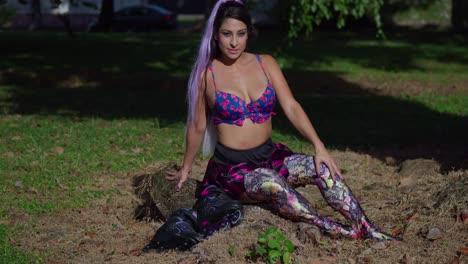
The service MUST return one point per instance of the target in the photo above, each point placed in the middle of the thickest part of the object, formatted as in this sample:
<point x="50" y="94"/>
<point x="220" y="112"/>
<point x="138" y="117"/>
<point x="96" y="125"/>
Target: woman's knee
<point x="263" y="181"/>
<point x="303" y="166"/>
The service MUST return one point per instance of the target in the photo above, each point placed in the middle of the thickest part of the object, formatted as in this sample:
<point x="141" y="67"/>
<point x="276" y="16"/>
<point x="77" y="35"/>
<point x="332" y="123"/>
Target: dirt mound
<point x="414" y="172"/>
<point x="454" y="193"/>
<point x="419" y="168"/>
<point x="160" y="199"/>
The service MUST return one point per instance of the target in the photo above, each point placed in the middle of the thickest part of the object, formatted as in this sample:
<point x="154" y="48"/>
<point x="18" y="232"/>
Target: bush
<point x="5" y="15"/>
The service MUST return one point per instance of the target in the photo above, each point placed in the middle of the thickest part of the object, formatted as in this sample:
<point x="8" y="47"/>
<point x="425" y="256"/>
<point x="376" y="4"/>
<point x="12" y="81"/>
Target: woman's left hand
<point x="322" y="156"/>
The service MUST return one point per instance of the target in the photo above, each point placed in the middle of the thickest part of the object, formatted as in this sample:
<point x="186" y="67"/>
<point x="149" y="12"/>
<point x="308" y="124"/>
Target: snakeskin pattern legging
<point x="267" y="185"/>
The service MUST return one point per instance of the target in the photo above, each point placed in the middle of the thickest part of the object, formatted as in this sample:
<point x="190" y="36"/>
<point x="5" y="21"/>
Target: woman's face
<point x="232" y="38"/>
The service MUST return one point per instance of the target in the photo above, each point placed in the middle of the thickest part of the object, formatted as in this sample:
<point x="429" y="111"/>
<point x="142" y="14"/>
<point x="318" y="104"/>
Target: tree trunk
<point x="105" y="17"/>
<point x="460" y="15"/>
<point x="36" y="20"/>
<point x="67" y="24"/>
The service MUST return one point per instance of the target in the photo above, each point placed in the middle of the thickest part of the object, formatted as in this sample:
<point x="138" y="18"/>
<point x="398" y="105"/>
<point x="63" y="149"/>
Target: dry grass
<point x="108" y="230"/>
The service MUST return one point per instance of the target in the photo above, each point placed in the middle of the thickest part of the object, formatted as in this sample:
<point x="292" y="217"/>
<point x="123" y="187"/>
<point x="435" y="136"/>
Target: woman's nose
<point x="234" y="42"/>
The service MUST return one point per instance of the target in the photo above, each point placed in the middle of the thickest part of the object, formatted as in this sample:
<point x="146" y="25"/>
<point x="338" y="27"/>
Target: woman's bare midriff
<point x="247" y="136"/>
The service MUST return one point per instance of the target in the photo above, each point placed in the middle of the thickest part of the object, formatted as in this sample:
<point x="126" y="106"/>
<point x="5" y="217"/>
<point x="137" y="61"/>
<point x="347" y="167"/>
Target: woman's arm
<point x="296" y="115"/>
<point x="193" y="138"/>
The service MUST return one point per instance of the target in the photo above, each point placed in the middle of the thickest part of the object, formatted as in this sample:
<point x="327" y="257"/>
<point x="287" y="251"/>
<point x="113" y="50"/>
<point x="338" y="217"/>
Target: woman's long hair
<point x="206" y="53"/>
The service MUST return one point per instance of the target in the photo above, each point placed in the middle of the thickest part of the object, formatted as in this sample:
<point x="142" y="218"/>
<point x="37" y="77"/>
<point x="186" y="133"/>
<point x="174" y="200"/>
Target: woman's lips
<point x="232" y="51"/>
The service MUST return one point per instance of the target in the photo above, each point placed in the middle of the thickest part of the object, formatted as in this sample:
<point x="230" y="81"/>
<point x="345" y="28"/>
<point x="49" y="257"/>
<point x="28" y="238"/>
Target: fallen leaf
<point x="464" y="216"/>
<point x="366" y="259"/>
<point x="464" y="251"/>
<point x="404" y="259"/>
<point x="396" y="231"/>
<point x="105" y="209"/>
<point x="33" y="191"/>
<point x="90" y="234"/>
<point x="410" y="217"/>
<point x="73" y="172"/>
<point x="123" y="251"/>
<point x="57" y="150"/>
<point x="114" y="147"/>
<point x="15" y="138"/>
<point x="136" y="252"/>
<point x="19" y="184"/>
<point x="137" y="150"/>
<point x="34" y="163"/>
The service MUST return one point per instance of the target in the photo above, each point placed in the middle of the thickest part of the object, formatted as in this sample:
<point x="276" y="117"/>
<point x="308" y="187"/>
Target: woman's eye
<point x="241" y="34"/>
<point x="226" y="34"/>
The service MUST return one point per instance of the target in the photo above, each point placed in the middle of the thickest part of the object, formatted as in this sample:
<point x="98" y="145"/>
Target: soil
<point x="412" y="199"/>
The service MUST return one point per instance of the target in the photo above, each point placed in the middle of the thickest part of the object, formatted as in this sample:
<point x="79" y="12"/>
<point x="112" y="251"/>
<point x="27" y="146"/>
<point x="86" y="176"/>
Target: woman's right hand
<point x="180" y="175"/>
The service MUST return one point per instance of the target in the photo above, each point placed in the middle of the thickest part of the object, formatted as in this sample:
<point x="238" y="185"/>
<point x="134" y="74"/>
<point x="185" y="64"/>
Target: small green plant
<point x="231" y="250"/>
<point x="271" y="247"/>
<point x="347" y="168"/>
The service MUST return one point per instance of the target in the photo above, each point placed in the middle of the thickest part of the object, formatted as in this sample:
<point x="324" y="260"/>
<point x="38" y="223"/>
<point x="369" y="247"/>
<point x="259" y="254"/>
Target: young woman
<point x="231" y="97"/>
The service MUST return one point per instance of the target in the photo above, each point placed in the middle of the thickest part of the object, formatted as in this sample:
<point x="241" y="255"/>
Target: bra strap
<point x="210" y="66"/>
<point x="261" y="65"/>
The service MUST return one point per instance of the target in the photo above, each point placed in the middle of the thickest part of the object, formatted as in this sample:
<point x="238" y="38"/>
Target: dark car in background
<point x="144" y="18"/>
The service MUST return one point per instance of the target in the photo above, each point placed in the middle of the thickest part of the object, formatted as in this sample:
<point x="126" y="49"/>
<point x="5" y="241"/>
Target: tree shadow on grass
<point x="349" y="117"/>
<point x="110" y="76"/>
<point x="144" y="76"/>
<point x="115" y="97"/>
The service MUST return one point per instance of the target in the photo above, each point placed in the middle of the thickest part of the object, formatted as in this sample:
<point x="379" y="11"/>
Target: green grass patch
<point x="455" y="104"/>
<point x="11" y="254"/>
<point x="49" y="161"/>
<point x="353" y="57"/>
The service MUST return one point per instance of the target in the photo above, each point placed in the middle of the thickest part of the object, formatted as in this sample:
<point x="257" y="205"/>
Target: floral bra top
<point x="231" y="109"/>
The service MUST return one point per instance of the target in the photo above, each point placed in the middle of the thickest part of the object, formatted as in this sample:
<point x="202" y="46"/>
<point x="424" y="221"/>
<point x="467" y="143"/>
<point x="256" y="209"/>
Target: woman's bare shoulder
<point x="269" y="62"/>
<point x="205" y="75"/>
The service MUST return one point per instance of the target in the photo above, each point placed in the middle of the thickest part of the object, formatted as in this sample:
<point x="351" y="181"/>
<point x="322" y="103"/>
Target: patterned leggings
<point x="267" y="185"/>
